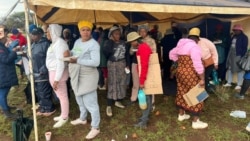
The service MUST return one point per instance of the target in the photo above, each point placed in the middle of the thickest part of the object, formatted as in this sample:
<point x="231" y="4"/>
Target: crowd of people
<point x="107" y="59"/>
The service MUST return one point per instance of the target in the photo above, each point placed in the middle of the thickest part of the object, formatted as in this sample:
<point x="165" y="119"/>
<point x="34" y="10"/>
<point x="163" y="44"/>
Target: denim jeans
<point x="89" y="103"/>
<point x="145" y="113"/>
<point x="3" y="98"/>
<point x="239" y="77"/>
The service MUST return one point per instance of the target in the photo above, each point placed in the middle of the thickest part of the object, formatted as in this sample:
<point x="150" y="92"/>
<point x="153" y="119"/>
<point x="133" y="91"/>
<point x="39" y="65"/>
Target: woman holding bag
<point x="143" y="53"/>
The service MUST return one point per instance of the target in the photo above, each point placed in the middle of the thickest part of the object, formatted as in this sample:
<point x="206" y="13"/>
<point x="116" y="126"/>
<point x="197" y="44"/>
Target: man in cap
<point x="16" y="35"/>
<point x="39" y="49"/>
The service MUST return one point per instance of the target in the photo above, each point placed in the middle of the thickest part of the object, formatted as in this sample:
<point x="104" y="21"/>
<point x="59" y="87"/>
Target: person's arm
<point x="94" y="59"/>
<point x="60" y="65"/>
<point x="43" y="69"/>
<point x="196" y="56"/>
<point x="173" y="54"/>
<point x="108" y="48"/>
<point x="244" y="45"/>
<point x="144" y="55"/>
<point x="6" y="57"/>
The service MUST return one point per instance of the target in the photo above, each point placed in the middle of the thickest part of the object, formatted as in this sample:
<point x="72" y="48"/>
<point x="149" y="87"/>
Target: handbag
<point x="244" y="62"/>
<point x="207" y="62"/>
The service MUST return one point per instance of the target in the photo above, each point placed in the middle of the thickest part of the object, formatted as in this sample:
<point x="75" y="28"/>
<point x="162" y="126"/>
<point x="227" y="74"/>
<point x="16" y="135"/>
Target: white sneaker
<point x="183" y="117"/>
<point x="57" y="118"/>
<point x="60" y="123"/>
<point x="102" y="88"/>
<point x="93" y="133"/>
<point x="78" y="121"/>
<point x="227" y="85"/>
<point x="109" y="111"/>
<point x="119" y="104"/>
<point x="248" y="127"/>
<point x="237" y="88"/>
<point x="199" y="124"/>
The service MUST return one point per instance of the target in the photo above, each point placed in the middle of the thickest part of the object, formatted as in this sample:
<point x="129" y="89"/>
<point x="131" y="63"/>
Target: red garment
<point x="22" y="40"/>
<point x="143" y="52"/>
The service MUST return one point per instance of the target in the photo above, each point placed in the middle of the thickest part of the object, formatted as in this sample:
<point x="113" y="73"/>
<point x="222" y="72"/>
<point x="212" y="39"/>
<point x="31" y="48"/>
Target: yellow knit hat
<point x="82" y="24"/>
<point x="194" y="32"/>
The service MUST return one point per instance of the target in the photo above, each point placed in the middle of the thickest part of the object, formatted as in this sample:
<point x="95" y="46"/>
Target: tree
<point x="16" y="20"/>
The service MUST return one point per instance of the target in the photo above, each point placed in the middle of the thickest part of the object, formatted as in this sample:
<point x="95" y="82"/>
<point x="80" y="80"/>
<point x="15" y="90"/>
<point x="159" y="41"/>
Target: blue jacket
<point x="8" y="76"/>
<point x="247" y="75"/>
<point x="241" y="44"/>
<point x="39" y="53"/>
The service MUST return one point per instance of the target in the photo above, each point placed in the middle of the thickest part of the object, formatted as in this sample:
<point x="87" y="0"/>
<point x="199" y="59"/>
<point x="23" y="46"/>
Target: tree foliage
<point x="15" y="20"/>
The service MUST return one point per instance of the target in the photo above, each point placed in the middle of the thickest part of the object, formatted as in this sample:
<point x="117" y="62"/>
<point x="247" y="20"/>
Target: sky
<point x="6" y="5"/>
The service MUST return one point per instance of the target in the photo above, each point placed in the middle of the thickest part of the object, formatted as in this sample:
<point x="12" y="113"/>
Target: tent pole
<point x="95" y="16"/>
<point x="31" y="68"/>
<point x="206" y="28"/>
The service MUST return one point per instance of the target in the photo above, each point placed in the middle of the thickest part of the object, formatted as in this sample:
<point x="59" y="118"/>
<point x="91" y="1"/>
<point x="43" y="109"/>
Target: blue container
<point x="142" y="99"/>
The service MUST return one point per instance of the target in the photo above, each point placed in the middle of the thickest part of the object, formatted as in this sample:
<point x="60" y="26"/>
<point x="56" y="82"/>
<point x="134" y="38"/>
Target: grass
<point x="162" y="127"/>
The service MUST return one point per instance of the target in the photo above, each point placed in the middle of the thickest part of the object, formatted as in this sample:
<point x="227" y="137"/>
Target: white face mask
<point x="1" y="33"/>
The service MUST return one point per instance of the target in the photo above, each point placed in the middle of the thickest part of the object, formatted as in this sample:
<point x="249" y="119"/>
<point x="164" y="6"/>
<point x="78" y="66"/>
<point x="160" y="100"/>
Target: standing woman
<point x="143" y="32"/>
<point x="190" y="72"/>
<point x="8" y="75"/>
<point x="84" y="77"/>
<point x="118" y="59"/>
<point x="58" y="72"/>
<point x="238" y="49"/>
<point x="143" y="53"/>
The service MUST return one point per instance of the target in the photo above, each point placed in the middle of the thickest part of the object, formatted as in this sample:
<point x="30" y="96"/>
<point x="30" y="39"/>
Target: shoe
<point x="101" y="88"/>
<point x="60" y="123"/>
<point x="39" y="113"/>
<point x="199" y="124"/>
<point x="211" y="82"/>
<point x="183" y="117"/>
<point x="141" y="124"/>
<point x="248" y="127"/>
<point x="78" y="121"/>
<point x="227" y="85"/>
<point x="9" y="115"/>
<point x="46" y="114"/>
<point x="109" y="111"/>
<point x="57" y="118"/>
<point x="119" y="104"/>
<point x="237" y="88"/>
<point x="93" y="133"/>
<point x="239" y="96"/>
<point x="153" y="108"/>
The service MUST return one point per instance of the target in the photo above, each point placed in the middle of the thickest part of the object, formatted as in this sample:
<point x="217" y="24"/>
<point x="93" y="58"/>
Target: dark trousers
<point x="166" y="67"/>
<point x="101" y="78"/>
<point x="145" y="113"/>
<point x="3" y="98"/>
<point x="245" y="86"/>
<point x="222" y="71"/>
<point x="44" y="94"/>
<point x="208" y="72"/>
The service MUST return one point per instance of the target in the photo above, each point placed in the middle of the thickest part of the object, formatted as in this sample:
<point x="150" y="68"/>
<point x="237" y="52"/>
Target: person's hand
<point x="141" y="86"/>
<point x="66" y="53"/>
<point x="55" y="85"/>
<point x="216" y="67"/>
<point x="202" y="83"/>
<point x="73" y="60"/>
<point x="15" y="49"/>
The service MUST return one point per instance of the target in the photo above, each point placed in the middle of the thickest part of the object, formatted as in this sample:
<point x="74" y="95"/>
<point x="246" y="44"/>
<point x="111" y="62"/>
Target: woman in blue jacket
<point x="8" y="75"/>
<point x="237" y="50"/>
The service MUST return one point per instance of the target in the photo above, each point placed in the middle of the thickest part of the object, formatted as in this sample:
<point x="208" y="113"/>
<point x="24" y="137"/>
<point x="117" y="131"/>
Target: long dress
<point x="116" y="73"/>
<point x="187" y="78"/>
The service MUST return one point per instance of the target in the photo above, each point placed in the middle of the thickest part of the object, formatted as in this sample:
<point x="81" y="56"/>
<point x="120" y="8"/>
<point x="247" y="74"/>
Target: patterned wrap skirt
<point x="187" y="78"/>
<point x="116" y="80"/>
